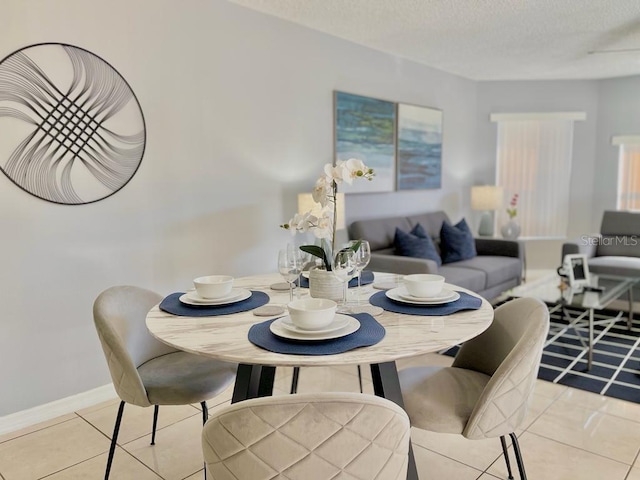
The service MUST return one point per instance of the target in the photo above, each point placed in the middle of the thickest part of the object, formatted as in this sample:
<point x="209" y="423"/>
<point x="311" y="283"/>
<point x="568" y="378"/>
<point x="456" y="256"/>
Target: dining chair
<point x="486" y="391"/>
<point x="296" y="377"/>
<point x="308" y="437"/>
<point x="144" y="370"/>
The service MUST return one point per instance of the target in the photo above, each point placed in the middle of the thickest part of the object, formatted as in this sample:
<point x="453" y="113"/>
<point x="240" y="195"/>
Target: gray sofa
<point x="497" y="268"/>
<point x="616" y="250"/>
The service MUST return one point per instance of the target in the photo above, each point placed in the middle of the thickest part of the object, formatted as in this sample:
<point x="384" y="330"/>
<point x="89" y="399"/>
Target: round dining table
<point x="225" y="337"/>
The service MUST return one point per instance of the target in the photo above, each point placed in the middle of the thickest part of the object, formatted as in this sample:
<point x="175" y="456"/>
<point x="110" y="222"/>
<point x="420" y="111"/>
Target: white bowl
<point x="424" y="285"/>
<point x="213" y="286"/>
<point x="312" y="313"/>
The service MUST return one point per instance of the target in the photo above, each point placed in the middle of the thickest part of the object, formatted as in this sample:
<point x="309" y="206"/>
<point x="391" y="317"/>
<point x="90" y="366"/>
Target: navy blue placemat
<point x="465" y="302"/>
<point x="369" y="333"/>
<point x="172" y="304"/>
<point x="367" y="278"/>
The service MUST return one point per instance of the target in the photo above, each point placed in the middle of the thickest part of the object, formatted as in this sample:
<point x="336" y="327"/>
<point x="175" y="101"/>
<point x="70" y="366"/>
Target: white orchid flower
<point x="321" y="191"/>
<point x="323" y="226"/>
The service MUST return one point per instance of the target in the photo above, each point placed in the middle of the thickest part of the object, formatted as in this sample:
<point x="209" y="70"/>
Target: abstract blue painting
<point x="365" y="129"/>
<point x="419" y="147"/>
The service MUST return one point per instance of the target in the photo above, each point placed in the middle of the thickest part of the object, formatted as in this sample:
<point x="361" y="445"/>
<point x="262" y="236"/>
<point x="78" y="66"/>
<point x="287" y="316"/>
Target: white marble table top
<point x="225" y="337"/>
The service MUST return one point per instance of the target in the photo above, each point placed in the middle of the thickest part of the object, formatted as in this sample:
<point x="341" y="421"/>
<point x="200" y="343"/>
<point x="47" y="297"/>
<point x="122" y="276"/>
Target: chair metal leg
<point x="114" y="439"/>
<point x="205" y="417"/>
<point x="360" y="378"/>
<point x="155" y="424"/>
<point x="503" y="441"/>
<point x="516" y="449"/>
<point x="205" y="412"/>
<point x="294" y="380"/>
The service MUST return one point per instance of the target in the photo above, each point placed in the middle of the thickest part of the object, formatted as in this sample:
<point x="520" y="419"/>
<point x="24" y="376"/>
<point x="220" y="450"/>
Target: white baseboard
<point x="42" y="413"/>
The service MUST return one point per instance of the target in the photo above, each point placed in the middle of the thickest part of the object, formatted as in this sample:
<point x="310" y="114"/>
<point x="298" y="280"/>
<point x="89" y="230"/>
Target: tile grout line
<point x="579" y="448"/>
<point x="449" y="458"/>
<point x="37" y="430"/>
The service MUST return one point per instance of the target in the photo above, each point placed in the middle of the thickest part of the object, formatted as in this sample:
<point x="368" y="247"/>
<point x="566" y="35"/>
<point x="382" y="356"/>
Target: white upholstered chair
<point x="486" y="391"/>
<point x="145" y="371"/>
<point x="308" y="437"/>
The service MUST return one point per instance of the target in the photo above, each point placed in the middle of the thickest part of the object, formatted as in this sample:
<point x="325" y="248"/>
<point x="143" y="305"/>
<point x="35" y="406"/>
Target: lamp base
<point x="486" y="225"/>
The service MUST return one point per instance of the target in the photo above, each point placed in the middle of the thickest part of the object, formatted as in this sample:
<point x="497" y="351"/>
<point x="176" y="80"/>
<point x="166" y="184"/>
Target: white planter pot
<point x="323" y="284"/>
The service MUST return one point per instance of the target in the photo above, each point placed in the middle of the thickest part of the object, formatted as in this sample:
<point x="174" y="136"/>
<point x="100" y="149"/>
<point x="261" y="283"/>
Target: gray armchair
<point x="487" y="390"/>
<point x="145" y="371"/>
<point x="616" y="249"/>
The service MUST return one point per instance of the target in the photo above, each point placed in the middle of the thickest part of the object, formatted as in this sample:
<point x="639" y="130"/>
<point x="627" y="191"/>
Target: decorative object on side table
<point x="511" y="229"/>
<point x="486" y="198"/>
<point x="322" y="282"/>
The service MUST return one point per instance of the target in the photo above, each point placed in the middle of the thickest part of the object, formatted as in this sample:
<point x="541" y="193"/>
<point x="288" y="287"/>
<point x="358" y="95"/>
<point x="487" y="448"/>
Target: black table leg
<point x="253" y="381"/>
<point x="386" y="384"/>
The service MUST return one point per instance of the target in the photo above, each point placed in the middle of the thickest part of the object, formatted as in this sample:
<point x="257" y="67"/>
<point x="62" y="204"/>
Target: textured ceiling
<point x="484" y="39"/>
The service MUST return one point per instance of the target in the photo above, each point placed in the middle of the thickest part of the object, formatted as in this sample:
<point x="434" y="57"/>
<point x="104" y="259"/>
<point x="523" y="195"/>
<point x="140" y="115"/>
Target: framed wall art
<point x="365" y="129"/>
<point x="419" y="148"/>
<point x="71" y="129"/>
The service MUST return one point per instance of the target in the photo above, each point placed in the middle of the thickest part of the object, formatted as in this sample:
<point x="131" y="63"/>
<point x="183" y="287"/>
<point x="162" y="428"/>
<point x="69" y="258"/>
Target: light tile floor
<point x="568" y="434"/>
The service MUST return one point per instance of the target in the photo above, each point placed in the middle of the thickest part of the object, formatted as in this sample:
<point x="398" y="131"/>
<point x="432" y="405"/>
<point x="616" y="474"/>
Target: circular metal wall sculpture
<point x="71" y="128"/>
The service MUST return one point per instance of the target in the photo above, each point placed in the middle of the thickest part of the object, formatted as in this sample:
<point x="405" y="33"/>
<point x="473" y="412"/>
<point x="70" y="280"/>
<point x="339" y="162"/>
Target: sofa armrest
<point x="499" y="247"/>
<point x="585" y="245"/>
<point x="381" y="262"/>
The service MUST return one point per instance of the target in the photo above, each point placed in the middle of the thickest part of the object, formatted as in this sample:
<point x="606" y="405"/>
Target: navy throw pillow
<point x="412" y="245"/>
<point x="457" y="242"/>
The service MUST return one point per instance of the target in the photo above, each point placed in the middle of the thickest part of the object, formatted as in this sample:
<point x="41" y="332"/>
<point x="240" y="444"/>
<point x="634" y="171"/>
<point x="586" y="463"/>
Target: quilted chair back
<point x="509" y="351"/>
<point x="119" y="315"/>
<point x="308" y="437"/>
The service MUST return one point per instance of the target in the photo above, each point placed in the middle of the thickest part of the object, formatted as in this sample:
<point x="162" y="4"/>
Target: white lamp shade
<point x="306" y="204"/>
<point x="486" y="197"/>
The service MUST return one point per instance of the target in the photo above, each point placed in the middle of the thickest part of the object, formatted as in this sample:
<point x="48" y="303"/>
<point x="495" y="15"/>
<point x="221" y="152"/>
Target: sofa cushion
<point x="496" y="269"/>
<point x="624" y="266"/>
<point x="379" y="232"/>
<point x="457" y="242"/>
<point x="415" y="244"/>
<point x="474" y="280"/>
<point x="431" y="222"/>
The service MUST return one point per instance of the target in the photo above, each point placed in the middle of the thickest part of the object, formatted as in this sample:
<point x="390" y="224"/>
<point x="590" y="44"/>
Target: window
<point x="533" y="159"/>
<point x="628" y="195"/>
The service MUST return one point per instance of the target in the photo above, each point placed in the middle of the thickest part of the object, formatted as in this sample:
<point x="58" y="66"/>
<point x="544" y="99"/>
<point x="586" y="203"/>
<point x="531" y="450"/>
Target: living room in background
<point x="533" y="160"/>
<point x="628" y="193"/>
<point x="419" y="147"/>
<point x="365" y="129"/>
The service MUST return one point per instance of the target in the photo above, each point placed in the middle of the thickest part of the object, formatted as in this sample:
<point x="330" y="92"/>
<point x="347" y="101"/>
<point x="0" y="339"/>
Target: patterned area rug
<point x="616" y="358"/>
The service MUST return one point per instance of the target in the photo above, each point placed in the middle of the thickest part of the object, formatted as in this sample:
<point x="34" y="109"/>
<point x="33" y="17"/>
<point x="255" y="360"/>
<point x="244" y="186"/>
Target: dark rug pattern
<point x="616" y="358"/>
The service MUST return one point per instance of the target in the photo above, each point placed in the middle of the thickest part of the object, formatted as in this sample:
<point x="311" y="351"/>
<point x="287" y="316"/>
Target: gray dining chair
<point x="145" y="371"/>
<point x="308" y="437"/>
<point x="486" y="391"/>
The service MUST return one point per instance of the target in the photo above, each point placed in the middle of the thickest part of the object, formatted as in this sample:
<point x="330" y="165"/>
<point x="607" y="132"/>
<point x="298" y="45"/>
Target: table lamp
<point x="487" y="198"/>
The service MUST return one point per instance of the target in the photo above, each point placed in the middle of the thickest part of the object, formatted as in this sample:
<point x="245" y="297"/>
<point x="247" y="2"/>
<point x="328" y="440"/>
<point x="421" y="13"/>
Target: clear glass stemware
<point x="290" y="266"/>
<point x="344" y="268"/>
<point x="362" y="257"/>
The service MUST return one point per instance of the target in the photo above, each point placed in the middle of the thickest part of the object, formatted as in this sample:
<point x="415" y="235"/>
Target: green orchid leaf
<point x="319" y="252"/>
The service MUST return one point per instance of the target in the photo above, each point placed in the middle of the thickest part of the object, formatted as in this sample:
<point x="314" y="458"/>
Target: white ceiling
<point x="484" y="39"/>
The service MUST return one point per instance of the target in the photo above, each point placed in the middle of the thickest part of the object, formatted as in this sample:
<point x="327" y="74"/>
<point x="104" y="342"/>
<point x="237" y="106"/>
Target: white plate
<point x="236" y="295"/>
<point x="339" y="321"/>
<point x="446" y="295"/>
<point x="277" y="329"/>
<point x="396" y="294"/>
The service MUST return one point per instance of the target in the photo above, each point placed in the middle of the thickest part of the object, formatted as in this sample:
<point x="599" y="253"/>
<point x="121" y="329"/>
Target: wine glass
<point x="290" y="266"/>
<point x="344" y="268"/>
<point x="363" y="257"/>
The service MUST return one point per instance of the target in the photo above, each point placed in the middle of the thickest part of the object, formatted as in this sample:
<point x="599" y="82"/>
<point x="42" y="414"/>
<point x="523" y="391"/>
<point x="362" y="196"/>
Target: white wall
<point x="239" y="114"/>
